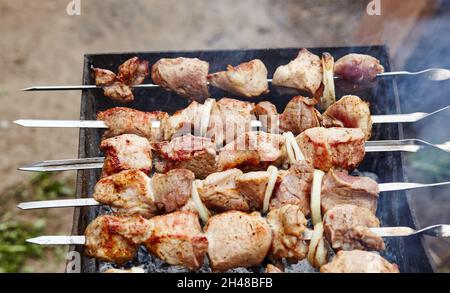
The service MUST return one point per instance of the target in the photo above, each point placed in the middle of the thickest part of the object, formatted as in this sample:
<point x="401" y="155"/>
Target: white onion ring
<point x="329" y="94"/>
<point x="295" y="147"/>
<point x="320" y="258"/>
<point x="273" y="174"/>
<point x="206" y="115"/>
<point x="316" y="215"/>
<point x="203" y="212"/>
<point x="315" y="239"/>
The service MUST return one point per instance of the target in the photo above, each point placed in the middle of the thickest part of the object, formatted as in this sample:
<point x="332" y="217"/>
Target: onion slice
<point x="329" y="94"/>
<point x="320" y="258"/>
<point x="295" y="147"/>
<point x="316" y="216"/>
<point x="203" y="212"/>
<point x="206" y="115"/>
<point x="289" y="150"/>
<point x="273" y="174"/>
<point x="314" y="243"/>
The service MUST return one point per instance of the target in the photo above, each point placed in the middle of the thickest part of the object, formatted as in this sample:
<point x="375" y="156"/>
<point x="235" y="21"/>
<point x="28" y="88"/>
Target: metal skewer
<point x="439" y="231"/>
<point x="81" y="202"/>
<point x="407" y="145"/>
<point x="431" y="73"/>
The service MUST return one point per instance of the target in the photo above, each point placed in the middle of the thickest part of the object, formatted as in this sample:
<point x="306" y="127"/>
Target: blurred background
<point x="41" y="44"/>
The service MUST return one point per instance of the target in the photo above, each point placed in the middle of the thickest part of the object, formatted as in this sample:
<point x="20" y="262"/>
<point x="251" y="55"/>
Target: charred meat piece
<point x="219" y="192"/>
<point x="253" y="151"/>
<point x="268" y="116"/>
<point x="271" y="269"/>
<point x="128" y="193"/>
<point x="295" y="187"/>
<point x="304" y="73"/>
<point x="236" y="117"/>
<point x="359" y="261"/>
<point x="248" y="79"/>
<point x="350" y="112"/>
<point x="133" y="71"/>
<point x="122" y="120"/>
<point x="115" y="239"/>
<point x="341" y="148"/>
<point x="340" y="188"/>
<point x="288" y="224"/>
<point x="118" y="91"/>
<point x="299" y="115"/>
<point x="125" y="152"/>
<point x="194" y="153"/>
<point x="358" y="68"/>
<point x="346" y="227"/>
<point x="185" y="76"/>
<point x="178" y="239"/>
<point x="237" y="239"/>
<point x="172" y="190"/>
<point x="252" y="186"/>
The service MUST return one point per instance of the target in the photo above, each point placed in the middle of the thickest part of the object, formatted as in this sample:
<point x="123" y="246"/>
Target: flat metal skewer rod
<point x="81" y="202"/>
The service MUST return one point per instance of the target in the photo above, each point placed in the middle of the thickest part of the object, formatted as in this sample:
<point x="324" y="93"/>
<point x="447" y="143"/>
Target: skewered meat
<point x="271" y="269"/>
<point x="359" y="261"/>
<point x="124" y="152"/>
<point x="254" y="150"/>
<point x="219" y="192"/>
<point x="350" y="112"/>
<point x="128" y="192"/>
<point x="237" y="239"/>
<point x="236" y="117"/>
<point x="132" y="270"/>
<point x="288" y="224"/>
<point x="268" y="116"/>
<point x="304" y="73"/>
<point x="295" y="187"/>
<point x="122" y="120"/>
<point x="194" y="153"/>
<point x="118" y="87"/>
<point x="173" y="189"/>
<point x="178" y="239"/>
<point x="358" y="68"/>
<point x="340" y="188"/>
<point x="299" y="115"/>
<point x="185" y="76"/>
<point x="346" y="227"/>
<point x="333" y="147"/>
<point x="252" y="186"/>
<point x="248" y="79"/>
<point x="115" y="239"/>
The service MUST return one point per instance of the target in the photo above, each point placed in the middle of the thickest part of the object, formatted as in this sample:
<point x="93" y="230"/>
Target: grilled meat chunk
<point x="185" y="76"/>
<point x="248" y="79"/>
<point x="236" y="117"/>
<point x="122" y="120"/>
<point x="172" y="189"/>
<point x="346" y="227"/>
<point x="350" y="112"/>
<point x="359" y="261"/>
<point x="295" y="187"/>
<point x="219" y="192"/>
<point x="128" y="193"/>
<point x="254" y="150"/>
<point x="133" y="71"/>
<point x="194" y="153"/>
<point x="304" y="73"/>
<point x="340" y="188"/>
<point x="118" y="91"/>
<point x="341" y="148"/>
<point x="358" y="68"/>
<point x="124" y="152"/>
<point x="178" y="239"/>
<point x="268" y="116"/>
<point x="252" y="186"/>
<point x="115" y="239"/>
<point x="237" y="239"/>
<point x="132" y="270"/>
<point x="299" y="115"/>
<point x="288" y="224"/>
<point x="271" y="269"/>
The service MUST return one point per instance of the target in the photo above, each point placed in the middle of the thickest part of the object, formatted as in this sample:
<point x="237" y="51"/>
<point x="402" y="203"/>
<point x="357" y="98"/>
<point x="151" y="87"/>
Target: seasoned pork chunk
<point x="304" y="73"/>
<point x="178" y="239"/>
<point x="253" y="151"/>
<point x="299" y="115"/>
<point x="115" y="239"/>
<point x="173" y="189"/>
<point x="359" y="261"/>
<point x="268" y="116"/>
<point x="340" y="188"/>
<point x="122" y="120"/>
<point x="252" y="186"/>
<point x="288" y="224"/>
<point x="271" y="269"/>
<point x="341" y="148"/>
<point x="185" y="76"/>
<point x="133" y="71"/>
<point x="295" y="187"/>
<point x="219" y="192"/>
<point x="350" y="112"/>
<point x="248" y="79"/>
<point x="346" y="227"/>
<point x="358" y="68"/>
<point x="124" y="152"/>
<point x="236" y="117"/>
<point x="237" y="239"/>
<point x="128" y="193"/>
<point x="194" y="153"/>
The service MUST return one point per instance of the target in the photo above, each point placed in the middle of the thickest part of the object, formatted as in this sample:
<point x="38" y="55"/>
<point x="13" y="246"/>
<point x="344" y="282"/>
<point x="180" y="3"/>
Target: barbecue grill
<point x="393" y="210"/>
